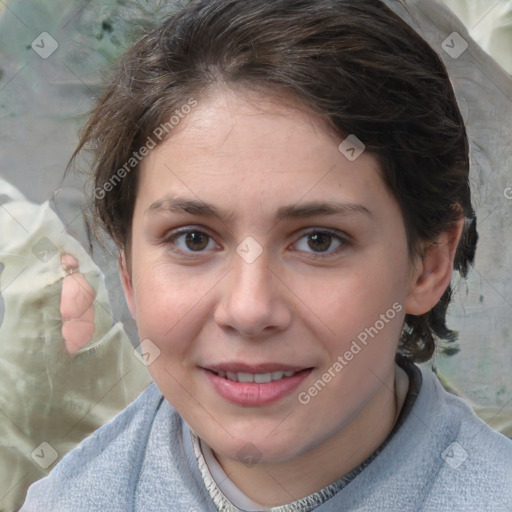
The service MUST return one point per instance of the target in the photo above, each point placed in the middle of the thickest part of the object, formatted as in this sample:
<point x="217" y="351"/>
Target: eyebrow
<point x="296" y="211"/>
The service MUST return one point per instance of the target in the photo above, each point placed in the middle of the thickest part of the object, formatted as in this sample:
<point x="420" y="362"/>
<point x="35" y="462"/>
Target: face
<point x="262" y="256"/>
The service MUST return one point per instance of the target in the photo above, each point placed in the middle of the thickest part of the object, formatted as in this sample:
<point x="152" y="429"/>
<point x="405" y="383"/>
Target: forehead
<point x="253" y="149"/>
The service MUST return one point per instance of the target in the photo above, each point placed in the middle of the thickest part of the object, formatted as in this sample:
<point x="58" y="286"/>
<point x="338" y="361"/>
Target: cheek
<point x="160" y="300"/>
<point x="358" y="297"/>
<point x="364" y="306"/>
<point x="171" y="305"/>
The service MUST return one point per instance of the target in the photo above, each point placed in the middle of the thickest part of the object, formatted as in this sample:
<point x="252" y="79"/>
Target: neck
<point x="291" y="480"/>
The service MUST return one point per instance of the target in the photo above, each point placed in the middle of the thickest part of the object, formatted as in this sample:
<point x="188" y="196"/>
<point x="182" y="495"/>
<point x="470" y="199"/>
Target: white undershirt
<point x="226" y="485"/>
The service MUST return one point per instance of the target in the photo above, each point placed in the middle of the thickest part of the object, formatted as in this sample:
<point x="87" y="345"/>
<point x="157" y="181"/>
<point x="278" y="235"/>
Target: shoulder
<point x="474" y="461"/>
<point x="103" y="467"/>
<point x="442" y="458"/>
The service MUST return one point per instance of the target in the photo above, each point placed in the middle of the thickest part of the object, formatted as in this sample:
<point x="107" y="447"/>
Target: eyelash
<point x="344" y="242"/>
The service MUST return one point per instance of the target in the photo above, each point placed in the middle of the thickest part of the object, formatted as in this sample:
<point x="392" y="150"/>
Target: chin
<point x="252" y="449"/>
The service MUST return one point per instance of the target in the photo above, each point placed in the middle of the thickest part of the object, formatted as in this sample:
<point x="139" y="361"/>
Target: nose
<point x="254" y="302"/>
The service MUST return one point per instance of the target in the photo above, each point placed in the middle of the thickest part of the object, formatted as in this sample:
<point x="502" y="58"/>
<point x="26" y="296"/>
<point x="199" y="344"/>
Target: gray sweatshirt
<point x="440" y="458"/>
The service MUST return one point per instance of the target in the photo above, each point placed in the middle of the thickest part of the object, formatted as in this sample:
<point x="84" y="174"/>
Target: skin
<point x="249" y="156"/>
<point x="76" y="306"/>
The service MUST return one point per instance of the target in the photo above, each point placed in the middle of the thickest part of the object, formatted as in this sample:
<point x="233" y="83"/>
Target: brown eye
<point x="191" y="240"/>
<point x="196" y="241"/>
<point x="319" y="242"/>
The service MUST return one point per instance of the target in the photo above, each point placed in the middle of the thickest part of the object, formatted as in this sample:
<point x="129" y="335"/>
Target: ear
<point x="433" y="271"/>
<point x="126" y="281"/>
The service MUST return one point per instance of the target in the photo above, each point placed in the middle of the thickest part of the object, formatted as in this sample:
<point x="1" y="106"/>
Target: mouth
<point x="259" y="378"/>
<point x="259" y="373"/>
<point x="255" y="385"/>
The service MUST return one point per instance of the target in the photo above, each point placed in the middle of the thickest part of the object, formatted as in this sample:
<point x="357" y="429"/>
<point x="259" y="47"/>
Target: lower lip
<point x="254" y="394"/>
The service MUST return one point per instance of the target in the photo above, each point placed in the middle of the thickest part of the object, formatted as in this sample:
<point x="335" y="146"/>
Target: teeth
<point x="245" y="377"/>
<point x="259" y="378"/>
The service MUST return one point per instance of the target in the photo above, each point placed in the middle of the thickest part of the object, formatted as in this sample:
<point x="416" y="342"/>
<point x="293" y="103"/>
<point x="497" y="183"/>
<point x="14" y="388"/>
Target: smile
<point x="256" y="385"/>
<point x="259" y="378"/>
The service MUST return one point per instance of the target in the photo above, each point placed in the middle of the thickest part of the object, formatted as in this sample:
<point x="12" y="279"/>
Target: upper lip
<point x="237" y="367"/>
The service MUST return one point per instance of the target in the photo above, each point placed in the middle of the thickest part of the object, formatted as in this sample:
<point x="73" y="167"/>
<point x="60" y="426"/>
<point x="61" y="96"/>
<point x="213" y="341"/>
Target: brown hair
<point x="354" y="62"/>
